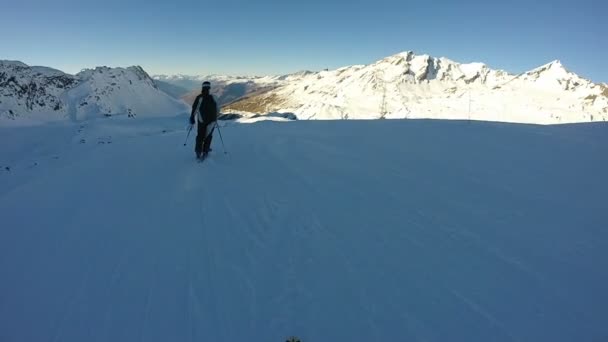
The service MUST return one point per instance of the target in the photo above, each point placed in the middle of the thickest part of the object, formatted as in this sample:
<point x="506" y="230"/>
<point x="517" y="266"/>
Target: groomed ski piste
<point x="388" y="230"/>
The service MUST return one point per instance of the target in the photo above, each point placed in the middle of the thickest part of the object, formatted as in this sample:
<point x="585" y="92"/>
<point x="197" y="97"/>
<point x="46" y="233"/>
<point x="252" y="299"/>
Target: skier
<point x="205" y="109"/>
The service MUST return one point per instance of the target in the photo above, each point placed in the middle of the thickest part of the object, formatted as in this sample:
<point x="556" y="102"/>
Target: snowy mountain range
<point x="407" y="85"/>
<point x="404" y="85"/>
<point x="44" y="94"/>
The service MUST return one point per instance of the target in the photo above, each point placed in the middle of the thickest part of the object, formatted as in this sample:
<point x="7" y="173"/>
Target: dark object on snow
<point x="288" y="116"/>
<point x="221" y="138"/>
<point x="231" y="116"/>
<point x="203" y="140"/>
<point x="188" y="135"/>
<point x="205" y="109"/>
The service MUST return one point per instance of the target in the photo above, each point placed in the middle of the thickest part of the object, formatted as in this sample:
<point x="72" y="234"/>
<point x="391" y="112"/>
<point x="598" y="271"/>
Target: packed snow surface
<point x="383" y="230"/>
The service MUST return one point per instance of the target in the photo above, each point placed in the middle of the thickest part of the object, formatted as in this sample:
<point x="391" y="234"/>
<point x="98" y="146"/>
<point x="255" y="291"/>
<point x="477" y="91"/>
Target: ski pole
<point x="187" y="136"/>
<point x="222" y="139"/>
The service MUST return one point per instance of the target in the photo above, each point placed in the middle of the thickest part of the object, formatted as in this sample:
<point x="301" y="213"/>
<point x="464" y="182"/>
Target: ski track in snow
<point x="331" y="231"/>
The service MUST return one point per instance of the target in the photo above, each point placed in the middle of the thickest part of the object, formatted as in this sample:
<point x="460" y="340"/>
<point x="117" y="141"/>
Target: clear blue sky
<point x="276" y="37"/>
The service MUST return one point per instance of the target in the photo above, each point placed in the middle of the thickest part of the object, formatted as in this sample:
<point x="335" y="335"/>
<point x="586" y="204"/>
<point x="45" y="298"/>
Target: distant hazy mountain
<point x="226" y="89"/>
<point x="174" y="90"/>
<point x="182" y="81"/>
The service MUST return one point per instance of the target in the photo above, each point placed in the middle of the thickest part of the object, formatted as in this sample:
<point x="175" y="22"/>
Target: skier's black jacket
<point x="208" y="109"/>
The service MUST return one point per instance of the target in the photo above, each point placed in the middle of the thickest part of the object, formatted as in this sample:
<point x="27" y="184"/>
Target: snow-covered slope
<point x="43" y="94"/>
<point x="422" y="231"/>
<point x="420" y="86"/>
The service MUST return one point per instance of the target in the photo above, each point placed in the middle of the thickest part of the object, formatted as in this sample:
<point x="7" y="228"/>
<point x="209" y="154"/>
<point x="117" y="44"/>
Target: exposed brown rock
<point x="259" y="103"/>
<point x="604" y="90"/>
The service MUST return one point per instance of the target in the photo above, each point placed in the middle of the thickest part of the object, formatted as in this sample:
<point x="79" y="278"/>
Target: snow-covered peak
<point x="298" y="74"/>
<point x="112" y="75"/>
<point x="46" y="94"/>
<point x="397" y="58"/>
<point x="47" y="71"/>
<point x="409" y="67"/>
<point x="7" y="66"/>
<point x="8" y="63"/>
<point x="25" y="89"/>
<point x="554" y="69"/>
<point x="121" y="91"/>
<point x="407" y="85"/>
<point x="554" y="76"/>
<point x="556" y="63"/>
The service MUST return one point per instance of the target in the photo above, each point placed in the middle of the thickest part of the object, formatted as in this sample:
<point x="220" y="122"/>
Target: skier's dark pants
<point x="203" y="142"/>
